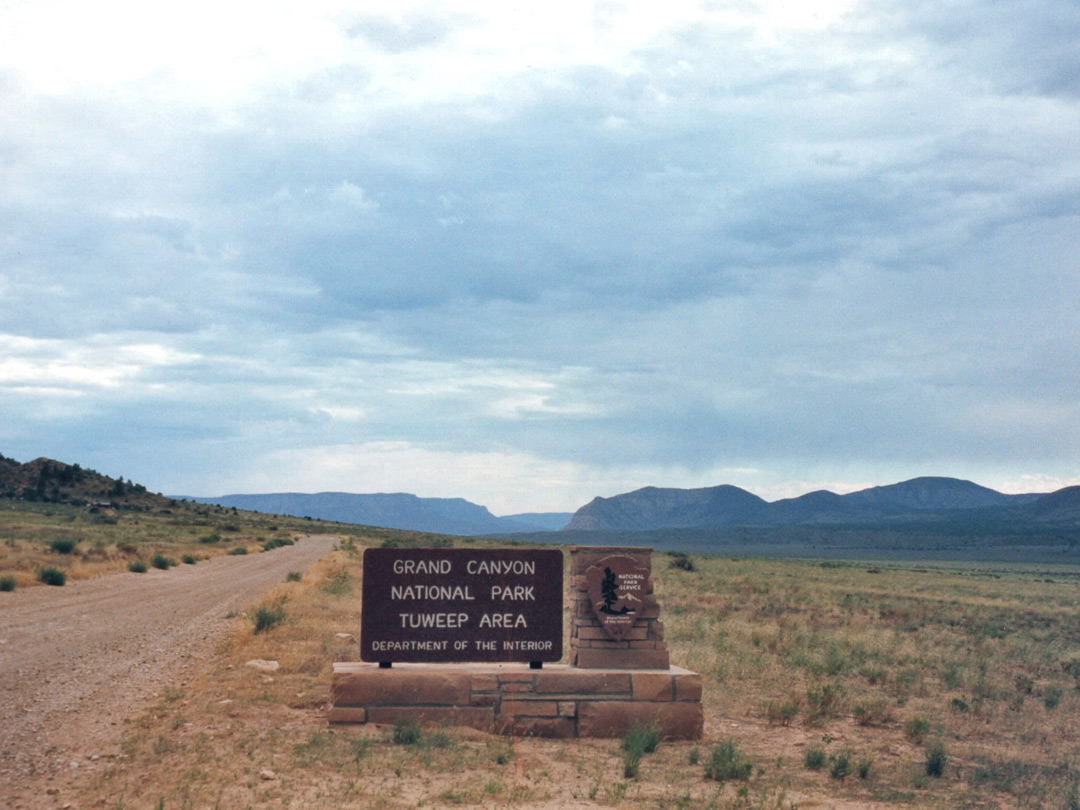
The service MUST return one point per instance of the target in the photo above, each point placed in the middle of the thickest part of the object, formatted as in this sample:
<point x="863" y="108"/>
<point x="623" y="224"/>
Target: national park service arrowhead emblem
<point x="616" y="587"/>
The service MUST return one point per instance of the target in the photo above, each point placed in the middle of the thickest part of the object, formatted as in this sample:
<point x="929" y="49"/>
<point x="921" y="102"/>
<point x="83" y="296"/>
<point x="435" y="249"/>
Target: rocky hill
<point x="47" y="480"/>
<point x="654" y="507"/>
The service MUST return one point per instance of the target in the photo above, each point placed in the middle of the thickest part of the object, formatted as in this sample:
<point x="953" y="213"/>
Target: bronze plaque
<point x="452" y="605"/>
<point x="617" y="588"/>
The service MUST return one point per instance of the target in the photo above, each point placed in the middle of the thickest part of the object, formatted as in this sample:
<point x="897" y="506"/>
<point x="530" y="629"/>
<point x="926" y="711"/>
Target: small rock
<point x="267" y="775"/>
<point x="344" y="637"/>
<point x="224" y="702"/>
<point x="263" y="665"/>
<point x="53" y="791"/>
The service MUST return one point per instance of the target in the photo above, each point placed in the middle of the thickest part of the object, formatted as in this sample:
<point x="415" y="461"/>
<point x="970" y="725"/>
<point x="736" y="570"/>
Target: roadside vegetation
<point x="826" y="684"/>
<point x="81" y="541"/>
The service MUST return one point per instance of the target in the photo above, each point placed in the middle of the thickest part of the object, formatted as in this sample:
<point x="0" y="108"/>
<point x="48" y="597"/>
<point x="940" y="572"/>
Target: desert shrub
<point x="406" y="731"/>
<point x="815" y="758"/>
<point x="267" y="617"/>
<point x="781" y="711"/>
<point x="277" y="542"/>
<point x="436" y="739"/>
<point x="293" y="576"/>
<point x="337" y="582"/>
<point x="874" y="674"/>
<point x="210" y="538"/>
<point x="188" y="559"/>
<point x="51" y="576"/>
<point x="504" y="755"/>
<point x="643" y="738"/>
<point x="952" y="676"/>
<point x="639" y="740"/>
<point x="824" y="701"/>
<point x="63" y="545"/>
<point x="359" y="747"/>
<point x="840" y="765"/>
<point x="7" y="583"/>
<point x="1025" y="684"/>
<point x="1072" y="795"/>
<point x="916" y="728"/>
<point x="873" y="712"/>
<point x="681" y="560"/>
<point x="631" y="764"/>
<point x="864" y="766"/>
<point x="936" y="759"/>
<point x="162" y="562"/>
<point x="1052" y="696"/>
<point x="127" y="548"/>
<point x="237" y="551"/>
<point x="727" y="762"/>
<point x="137" y="567"/>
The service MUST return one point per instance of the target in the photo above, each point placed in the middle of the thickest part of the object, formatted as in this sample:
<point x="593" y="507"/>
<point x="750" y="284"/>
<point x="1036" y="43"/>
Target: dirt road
<point x="74" y="661"/>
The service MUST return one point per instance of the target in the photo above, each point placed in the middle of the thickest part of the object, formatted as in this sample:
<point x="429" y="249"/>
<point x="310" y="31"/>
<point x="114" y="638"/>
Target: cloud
<point x="622" y="244"/>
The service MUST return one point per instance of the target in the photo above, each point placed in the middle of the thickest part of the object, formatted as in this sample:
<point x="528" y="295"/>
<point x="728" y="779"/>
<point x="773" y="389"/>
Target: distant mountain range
<point x="922" y="505"/>
<point x="396" y="511"/>
<point x="948" y="503"/>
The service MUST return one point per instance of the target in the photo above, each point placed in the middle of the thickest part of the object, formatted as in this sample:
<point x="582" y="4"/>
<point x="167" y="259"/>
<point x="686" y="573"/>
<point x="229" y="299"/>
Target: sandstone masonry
<point x="610" y="685"/>
<point x="590" y="647"/>
<point x="556" y="701"/>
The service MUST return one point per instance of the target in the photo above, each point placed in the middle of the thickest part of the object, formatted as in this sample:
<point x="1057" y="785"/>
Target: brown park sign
<point x="455" y="605"/>
<point x="616" y="587"/>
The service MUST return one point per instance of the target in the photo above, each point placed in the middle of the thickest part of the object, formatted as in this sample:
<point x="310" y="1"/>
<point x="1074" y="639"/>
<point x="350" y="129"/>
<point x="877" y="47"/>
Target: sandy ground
<point x="75" y="661"/>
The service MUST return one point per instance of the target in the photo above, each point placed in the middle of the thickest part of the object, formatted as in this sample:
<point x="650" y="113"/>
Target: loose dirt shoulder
<point x="75" y="661"/>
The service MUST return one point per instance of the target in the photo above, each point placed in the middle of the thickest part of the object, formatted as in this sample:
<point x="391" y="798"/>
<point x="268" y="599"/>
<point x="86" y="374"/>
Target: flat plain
<point x="828" y="684"/>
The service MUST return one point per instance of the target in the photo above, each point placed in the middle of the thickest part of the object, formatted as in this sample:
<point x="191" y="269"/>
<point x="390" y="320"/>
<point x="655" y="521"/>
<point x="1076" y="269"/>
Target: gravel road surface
<point x="75" y="661"/>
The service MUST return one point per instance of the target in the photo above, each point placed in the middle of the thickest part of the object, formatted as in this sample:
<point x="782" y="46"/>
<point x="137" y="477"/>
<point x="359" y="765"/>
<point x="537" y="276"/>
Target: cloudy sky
<point x="528" y="254"/>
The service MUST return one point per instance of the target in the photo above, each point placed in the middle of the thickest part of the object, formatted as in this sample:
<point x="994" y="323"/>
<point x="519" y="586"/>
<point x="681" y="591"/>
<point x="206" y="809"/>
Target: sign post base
<point x="558" y="701"/>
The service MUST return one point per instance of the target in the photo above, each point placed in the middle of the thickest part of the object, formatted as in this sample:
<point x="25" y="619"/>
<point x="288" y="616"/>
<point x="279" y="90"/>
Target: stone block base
<point x="557" y="701"/>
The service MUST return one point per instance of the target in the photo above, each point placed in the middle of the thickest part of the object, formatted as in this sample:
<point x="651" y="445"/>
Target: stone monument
<point x="467" y="636"/>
